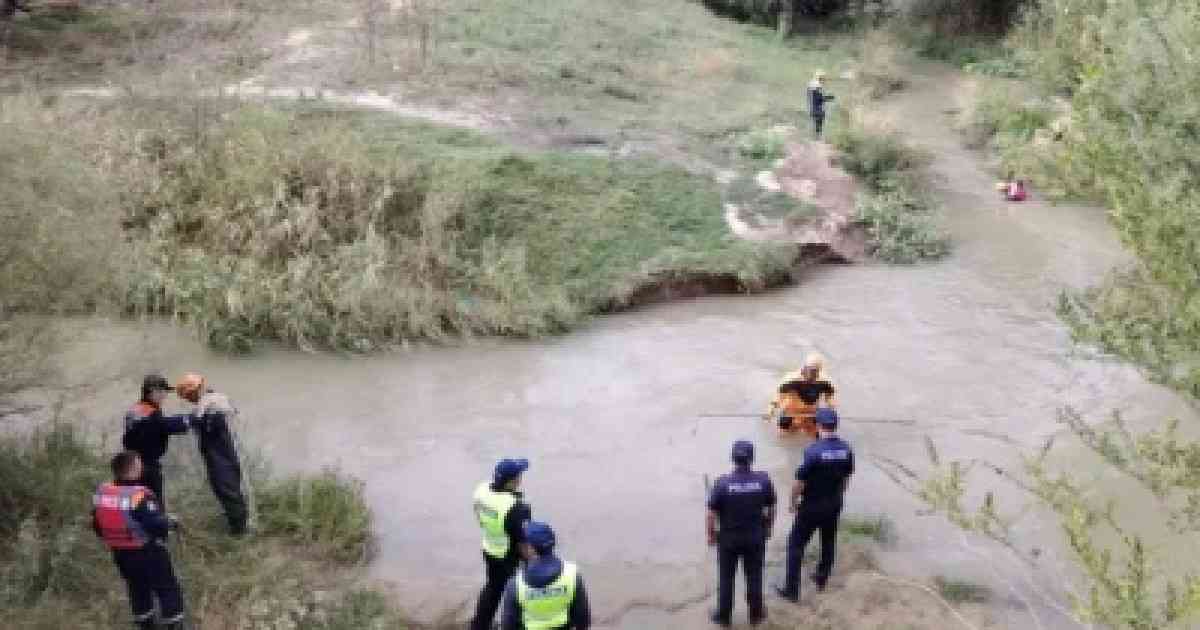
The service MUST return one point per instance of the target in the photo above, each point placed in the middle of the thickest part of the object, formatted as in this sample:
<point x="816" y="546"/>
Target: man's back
<point x="739" y="499"/>
<point x="828" y="462"/>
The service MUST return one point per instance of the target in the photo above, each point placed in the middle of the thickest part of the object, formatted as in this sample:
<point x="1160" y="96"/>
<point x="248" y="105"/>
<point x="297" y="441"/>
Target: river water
<point x="969" y="349"/>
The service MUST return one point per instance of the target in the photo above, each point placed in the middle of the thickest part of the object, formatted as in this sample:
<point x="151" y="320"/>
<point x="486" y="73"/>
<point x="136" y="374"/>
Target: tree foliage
<point x="1128" y="73"/>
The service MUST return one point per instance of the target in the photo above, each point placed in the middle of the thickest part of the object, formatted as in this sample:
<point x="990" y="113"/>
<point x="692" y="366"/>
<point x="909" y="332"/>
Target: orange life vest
<point x="114" y="515"/>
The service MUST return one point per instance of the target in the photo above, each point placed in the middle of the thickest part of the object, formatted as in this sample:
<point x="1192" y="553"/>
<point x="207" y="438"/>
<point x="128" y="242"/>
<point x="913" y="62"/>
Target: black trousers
<point x="225" y="479"/>
<point x="751" y="556"/>
<point x="499" y="572"/>
<point x="810" y="519"/>
<point x="148" y="574"/>
<point x="818" y="123"/>
<point x="152" y="478"/>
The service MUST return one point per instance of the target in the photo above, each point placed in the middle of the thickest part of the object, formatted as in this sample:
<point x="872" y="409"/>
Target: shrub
<point x="763" y="144"/>
<point x="901" y="226"/>
<point x="325" y="512"/>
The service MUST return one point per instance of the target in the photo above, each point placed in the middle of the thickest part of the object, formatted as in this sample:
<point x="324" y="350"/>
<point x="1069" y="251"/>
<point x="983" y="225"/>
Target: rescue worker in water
<point x="148" y="430"/>
<point x="800" y="395"/>
<point x="502" y="514"/>
<point x="217" y="448"/>
<point x="548" y="594"/>
<point x="128" y="518"/>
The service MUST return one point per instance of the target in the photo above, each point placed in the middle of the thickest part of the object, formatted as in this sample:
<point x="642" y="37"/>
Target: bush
<point x="325" y="512"/>
<point x="896" y="210"/>
<point x="763" y="144"/>
<point x="901" y="226"/>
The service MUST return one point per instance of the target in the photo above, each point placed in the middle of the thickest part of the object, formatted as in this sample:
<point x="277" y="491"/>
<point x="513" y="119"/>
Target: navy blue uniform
<point x="828" y="464"/>
<point x="741" y="500"/>
<point x="147" y="431"/>
<point x="816" y="105"/>
<point x="539" y="573"/>
<point x="147" y="571"/>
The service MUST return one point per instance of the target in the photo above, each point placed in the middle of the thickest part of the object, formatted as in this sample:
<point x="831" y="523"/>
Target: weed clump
<point x="897" y="210"/>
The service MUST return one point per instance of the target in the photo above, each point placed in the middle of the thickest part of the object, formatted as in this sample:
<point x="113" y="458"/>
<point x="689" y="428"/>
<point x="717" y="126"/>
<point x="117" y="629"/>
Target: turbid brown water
<point x="969" y="348"/>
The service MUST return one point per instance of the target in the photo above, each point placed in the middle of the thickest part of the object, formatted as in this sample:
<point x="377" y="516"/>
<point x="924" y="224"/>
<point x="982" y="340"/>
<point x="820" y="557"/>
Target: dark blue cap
<point x="508" y="469"/>
<point x="743" y="452"/>
<point x="539" y="535"/>
<point x="827" y="418"/>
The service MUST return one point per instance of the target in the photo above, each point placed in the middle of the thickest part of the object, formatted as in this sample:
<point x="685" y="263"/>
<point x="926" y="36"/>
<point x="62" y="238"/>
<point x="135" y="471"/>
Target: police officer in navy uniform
<point x="502" y="514"/>
<point x="127" y="517"/>
<point x="821" y="482"/>
<point x="548" y="594"/>
<point x="147" y="431"/>
<point x="743" y="503"/>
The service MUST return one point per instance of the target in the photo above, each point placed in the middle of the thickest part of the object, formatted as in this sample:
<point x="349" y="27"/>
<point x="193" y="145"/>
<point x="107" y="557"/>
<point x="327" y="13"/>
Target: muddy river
<point x="969" y="349"/>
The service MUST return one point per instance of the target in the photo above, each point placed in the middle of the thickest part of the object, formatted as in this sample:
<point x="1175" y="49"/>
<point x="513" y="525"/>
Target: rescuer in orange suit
<point x="799" y="396"/>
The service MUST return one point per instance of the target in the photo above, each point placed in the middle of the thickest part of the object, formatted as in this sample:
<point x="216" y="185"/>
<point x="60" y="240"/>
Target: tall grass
<point x="54" y="573"/>
<point x="356" y="231"/>
<point x="897" y="209"/>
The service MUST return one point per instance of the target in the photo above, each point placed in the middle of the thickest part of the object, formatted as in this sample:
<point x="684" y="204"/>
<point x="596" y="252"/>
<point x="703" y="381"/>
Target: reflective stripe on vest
<point x="547" y="607"/>
<point x="114" y="515"/>
<point x="490" y="509"/>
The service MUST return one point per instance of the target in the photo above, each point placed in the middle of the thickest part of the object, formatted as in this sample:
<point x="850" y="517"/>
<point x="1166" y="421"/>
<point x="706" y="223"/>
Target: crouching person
<point x="548" y="593"/>
<point x="128" y="518"/>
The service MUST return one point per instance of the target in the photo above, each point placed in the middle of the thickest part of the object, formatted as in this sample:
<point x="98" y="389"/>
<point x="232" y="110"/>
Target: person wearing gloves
<point x="548" y="594"/>
<point x="217" y="448"/>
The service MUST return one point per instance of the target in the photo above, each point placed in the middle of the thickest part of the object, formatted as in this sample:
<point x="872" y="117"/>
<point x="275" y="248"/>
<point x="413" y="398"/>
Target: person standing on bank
<point x="743" y="503"/>
<point x="548" y="594"/>
<point x="127" y="517"/>
<point x="816" y="101"/>
<point x="147" y="431"/>
<point x="821" y="482"/>
<point x="217" y="448"/>
<point x="502" y="515"/>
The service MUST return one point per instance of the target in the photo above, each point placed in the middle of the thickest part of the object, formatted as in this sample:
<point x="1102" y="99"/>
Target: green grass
<point x="357" y="231"/>
<point x="54" y="573"/>
<point x="897" y="210"/>
<point x="643" y="67"/>
<point x="961" y="591"/>
<point x="880" y="529"/>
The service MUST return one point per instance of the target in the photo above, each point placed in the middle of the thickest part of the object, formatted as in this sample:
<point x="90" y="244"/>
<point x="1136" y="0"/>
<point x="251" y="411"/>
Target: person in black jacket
<point x="817" y="499"/>
<point x="549" y="593"/>
<point x="816" y="101"/>
<point x="148" y="430"/>
<point x="217" y="448"/>
<point x="128" y="518"/>
<point x="743" y="504"/>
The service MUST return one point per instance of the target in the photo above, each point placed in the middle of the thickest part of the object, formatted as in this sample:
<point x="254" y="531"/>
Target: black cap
<point x="156" y="383"/>
<point x="743" y="452"/>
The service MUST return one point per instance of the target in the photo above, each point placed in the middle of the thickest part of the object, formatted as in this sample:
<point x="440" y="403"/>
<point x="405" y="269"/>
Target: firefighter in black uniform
<point x="128" y="518"/>
<point x="148" y="430"/>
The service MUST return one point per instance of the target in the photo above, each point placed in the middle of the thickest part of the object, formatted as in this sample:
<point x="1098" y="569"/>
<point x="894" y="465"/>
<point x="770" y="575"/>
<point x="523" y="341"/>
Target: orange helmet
<point x="190" y="387"/>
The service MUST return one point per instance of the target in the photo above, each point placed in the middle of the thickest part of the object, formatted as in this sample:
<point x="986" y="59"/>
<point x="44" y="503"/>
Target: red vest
<point x="114" y="515"/>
